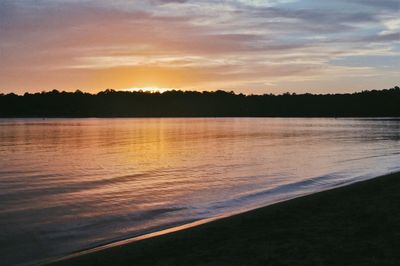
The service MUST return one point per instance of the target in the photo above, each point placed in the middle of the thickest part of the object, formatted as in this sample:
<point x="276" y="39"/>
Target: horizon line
<point x="156" y="90"/>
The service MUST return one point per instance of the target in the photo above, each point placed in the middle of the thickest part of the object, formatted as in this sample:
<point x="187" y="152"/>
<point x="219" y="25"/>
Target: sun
<point x="150" y="89"/>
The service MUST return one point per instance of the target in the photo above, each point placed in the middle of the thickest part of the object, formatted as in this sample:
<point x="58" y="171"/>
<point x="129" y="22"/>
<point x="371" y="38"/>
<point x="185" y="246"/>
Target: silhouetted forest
<point x="112" y="103"/>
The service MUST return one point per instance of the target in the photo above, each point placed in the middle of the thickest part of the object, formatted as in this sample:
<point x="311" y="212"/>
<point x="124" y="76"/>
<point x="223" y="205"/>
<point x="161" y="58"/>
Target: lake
<point x="68" y="185"/>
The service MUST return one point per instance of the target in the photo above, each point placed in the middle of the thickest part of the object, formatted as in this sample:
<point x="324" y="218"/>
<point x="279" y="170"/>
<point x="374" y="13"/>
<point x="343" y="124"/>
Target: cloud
<point x="386" y="4"/>
<point x="212" y="44"/>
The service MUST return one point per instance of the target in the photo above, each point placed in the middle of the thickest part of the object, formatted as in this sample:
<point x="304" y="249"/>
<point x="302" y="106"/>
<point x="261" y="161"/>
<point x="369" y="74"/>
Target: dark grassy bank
<point x="354" y="225"/>
<point x="382" y="103"/>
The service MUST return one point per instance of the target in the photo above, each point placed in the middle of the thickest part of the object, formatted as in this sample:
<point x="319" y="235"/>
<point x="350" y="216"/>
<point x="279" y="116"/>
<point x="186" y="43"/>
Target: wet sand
<point x="357" y="224"/>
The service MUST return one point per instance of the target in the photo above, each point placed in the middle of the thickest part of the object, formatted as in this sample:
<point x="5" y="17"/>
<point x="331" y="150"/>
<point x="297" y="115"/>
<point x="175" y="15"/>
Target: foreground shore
<point x="354" y="225"/>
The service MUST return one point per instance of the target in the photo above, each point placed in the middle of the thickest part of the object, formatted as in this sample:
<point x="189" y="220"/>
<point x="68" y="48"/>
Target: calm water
<point x="72" y="184"/>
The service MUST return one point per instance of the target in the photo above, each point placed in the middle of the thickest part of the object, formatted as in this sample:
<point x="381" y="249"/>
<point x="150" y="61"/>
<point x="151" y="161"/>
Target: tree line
<point x="110" y="103"/>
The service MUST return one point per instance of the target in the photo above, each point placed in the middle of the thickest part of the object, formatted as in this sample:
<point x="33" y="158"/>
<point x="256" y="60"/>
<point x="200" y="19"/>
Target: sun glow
<point x="150" y="89"/>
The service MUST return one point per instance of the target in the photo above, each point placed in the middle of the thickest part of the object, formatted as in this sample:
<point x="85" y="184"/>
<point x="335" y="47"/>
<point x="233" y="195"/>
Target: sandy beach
<point x="357" y="224"/>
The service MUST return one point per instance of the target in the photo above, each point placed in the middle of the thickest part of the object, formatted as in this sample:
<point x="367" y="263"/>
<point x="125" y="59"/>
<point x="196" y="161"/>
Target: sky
<point x="249" y="46"/>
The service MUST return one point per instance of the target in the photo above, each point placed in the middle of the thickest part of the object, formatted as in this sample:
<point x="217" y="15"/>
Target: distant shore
<point x="110" y="103"/>
<point x="357" y="224"/>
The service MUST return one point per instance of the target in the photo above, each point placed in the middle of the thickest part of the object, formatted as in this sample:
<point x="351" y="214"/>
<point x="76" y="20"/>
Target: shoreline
<point x="100" y="255"/>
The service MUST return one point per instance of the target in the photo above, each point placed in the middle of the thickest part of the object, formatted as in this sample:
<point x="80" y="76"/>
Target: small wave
<point x="47" y="189"/>
<point x="288" y="190"/>
<point x="98" y="222"/>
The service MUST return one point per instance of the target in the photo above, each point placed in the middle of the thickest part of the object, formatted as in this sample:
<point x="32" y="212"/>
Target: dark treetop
<point x="112" y="103"/>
